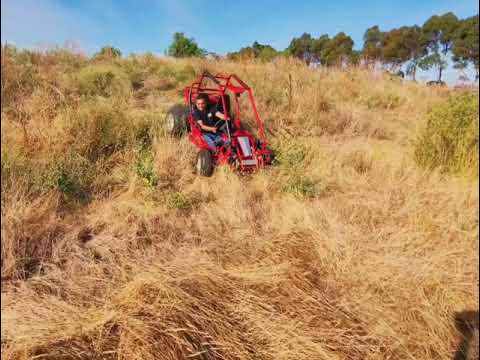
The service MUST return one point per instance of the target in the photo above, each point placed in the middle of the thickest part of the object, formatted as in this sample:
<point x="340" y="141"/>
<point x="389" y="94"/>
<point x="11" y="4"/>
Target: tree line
<point x="430" y="46"/>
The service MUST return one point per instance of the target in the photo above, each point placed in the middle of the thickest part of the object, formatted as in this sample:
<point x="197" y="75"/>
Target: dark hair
<point x="204" y="97"/>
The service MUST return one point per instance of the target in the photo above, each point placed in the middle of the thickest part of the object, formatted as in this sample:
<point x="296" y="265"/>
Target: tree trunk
<point x="414" y="73"/>
<point x="440" y="73"/>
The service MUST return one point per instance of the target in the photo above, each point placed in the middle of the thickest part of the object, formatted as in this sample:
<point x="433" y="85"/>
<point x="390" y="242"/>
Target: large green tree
<point x="302" y="48"/>
<point x="440" y="32"/>
<point x="183" y="46"/>
<point x="372" y="45"/>
<point x="264" y="52"/>
<point x="356" y="57"/>
<point x="338" y="51"/>
<point x="416" y="43"/>
<point x="318" y="48"/>
<point x="465" y="47"/>
<point x="433" y="60"/>
<point x="243" y="54"/>
<point x="394" y="48"/>
<point x="256" y="51"/>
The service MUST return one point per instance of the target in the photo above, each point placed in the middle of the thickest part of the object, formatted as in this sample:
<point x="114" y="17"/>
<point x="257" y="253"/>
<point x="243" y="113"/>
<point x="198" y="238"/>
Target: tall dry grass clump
<point x="450" y="138"/>
<point x="112" y="247"/>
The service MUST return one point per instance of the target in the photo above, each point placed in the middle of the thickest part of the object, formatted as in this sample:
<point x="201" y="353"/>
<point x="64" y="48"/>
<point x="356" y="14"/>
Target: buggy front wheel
<point x="176" y="123"/>
<point x="204" y="163"/>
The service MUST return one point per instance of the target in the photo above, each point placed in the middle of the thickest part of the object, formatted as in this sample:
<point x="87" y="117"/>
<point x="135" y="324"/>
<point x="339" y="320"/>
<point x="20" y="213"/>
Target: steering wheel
<point x="221" y="125"/>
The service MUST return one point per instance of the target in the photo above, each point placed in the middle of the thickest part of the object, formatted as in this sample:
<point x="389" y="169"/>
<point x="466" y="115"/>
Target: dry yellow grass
<point x="343" y="250"/>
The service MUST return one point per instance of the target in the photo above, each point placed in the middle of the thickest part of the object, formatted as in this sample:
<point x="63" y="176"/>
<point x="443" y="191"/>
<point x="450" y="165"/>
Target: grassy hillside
<point x="352" y="246"/>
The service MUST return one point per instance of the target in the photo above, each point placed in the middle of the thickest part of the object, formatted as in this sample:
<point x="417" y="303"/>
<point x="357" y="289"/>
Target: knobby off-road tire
<point x="204" y="163"/>
<point x="271" y="159"/>
<point x="268" y="160"/>
<point x="175" y="123"/>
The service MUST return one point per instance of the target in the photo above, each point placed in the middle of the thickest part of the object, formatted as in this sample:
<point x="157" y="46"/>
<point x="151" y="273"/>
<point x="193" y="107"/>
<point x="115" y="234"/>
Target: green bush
<point x="300" y="186"/>
<point x="150" y="68"/>
<point x="143" y="133"/>
<point x="101" y="80"/>
<point x="108" y="52"/>
<point x="70" y="174"/>
<point x="19" y="76"/>
<point x="147" y="127"/>
<point x="17" y="171"/>
<point x="184" y="73"/>
<point x="145" y="170"/>
<point x="449" y="140"/>
<point x="97" y="129"/>
<point x="291" y="154"/>
<point x="178" y="200"/>
<point x="386" y="101"/>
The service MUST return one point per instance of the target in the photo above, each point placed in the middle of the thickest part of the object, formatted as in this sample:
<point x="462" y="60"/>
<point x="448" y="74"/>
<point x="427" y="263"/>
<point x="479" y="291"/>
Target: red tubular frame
<point x="225" y="83"/>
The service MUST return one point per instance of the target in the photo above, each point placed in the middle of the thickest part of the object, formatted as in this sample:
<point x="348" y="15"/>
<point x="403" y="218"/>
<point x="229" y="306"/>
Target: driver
<point x="206" y="117"/>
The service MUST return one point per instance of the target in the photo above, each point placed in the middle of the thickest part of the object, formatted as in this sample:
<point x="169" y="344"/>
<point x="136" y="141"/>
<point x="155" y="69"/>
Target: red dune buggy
<point x="239" y="147"/>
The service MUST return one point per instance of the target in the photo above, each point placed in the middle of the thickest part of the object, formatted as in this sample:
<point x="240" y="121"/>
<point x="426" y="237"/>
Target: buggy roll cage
<point x="226" y="83"/>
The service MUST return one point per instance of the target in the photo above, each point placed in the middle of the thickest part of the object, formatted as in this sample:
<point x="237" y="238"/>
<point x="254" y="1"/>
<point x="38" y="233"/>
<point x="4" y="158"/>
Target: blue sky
<point x="217" y="25"/>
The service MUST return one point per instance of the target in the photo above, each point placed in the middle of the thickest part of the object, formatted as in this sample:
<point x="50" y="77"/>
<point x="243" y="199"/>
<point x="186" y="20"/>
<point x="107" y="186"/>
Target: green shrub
<point x="66" y="172"/>
<point x="70" y="174"/>
<point x="143" y="134"/>
<point x="145" y="170"/>
<point x="159" y="73"/>
<point x="184" y="73"/>
<point x="178" y="200"/>
<point x="300" y="186"/>
<point x="144" y="127"/>
<point x="100" y="127"/>
<point x="17" y="171"/>
<point x="108" y="52"/>
<point x="19" y="76"/>
<point x="385" y="101"/>
<point x="291" y="154"/>
<point x="97" y="129"/>
<point x="449" y="140"/>
<point x="101" y="80"/>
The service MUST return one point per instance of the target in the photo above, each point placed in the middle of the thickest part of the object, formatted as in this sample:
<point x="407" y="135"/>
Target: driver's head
<point x="201" y="102"/>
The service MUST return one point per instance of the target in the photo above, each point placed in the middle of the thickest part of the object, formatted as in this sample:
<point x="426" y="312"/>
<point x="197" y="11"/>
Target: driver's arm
<point x="206" y="128"/>
<point x="221" y="116"/>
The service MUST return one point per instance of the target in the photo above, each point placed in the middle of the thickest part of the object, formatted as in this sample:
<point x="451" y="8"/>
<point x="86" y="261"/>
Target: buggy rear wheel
<point x="270" y="158"/>
<point x="176" y="123"/>
<point x="204" y="163"/>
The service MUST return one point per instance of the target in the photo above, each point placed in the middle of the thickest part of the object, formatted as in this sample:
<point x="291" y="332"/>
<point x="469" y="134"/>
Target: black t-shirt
<point x="219" y="106"/>
<point x="208" y="117"/>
